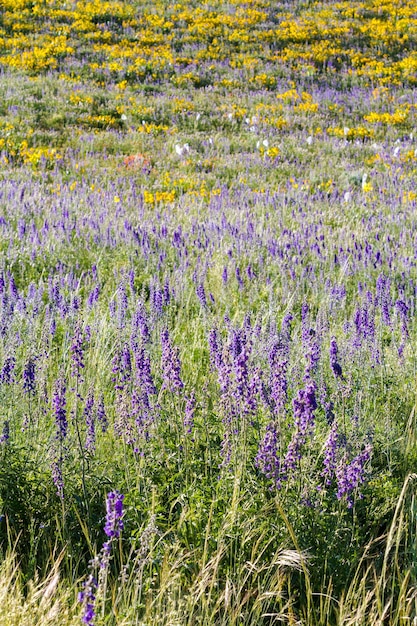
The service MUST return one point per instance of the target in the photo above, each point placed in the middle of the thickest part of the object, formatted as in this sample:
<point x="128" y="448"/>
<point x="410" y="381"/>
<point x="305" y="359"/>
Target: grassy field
<point x="208" y="285"/>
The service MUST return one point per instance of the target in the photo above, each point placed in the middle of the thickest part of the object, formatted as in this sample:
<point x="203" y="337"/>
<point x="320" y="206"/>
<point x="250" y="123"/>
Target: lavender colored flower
<point x="29" y="382"/>
<point x="114" y="515"/>
<point x="239" y="351"/>
<point x="5" y="435"/>
<point x="13" y="290"/>
<point x="140" y="323"/>
<point x="132" y="280"/>
<point x="93" y="296"/>
<point x="239" y="278"/>
<point x="215" y="348"/>
<point x="143" y="372"/>
<point x="350" y="475"/>
<point x="167" y="293"/>
<point x="87" y="597"/>
<point x="157" y="300"/>
<point x="7" y="371"/>
<point x="330" y="451"/>
<point x="402" y="311"/>
<point x="122" y="367"/>
<point x="267" y="460"/>
<point x="59" y="404"/>
<point x="286" y="328"/>
<point x="334" y="364"/>
<point x="171" y="366"/>
<point x="278" y="379"/>
<point x="201" y="294"/>
<point x="383" y="298"/>
<point x="304" y="406"/>
<point x="305" y="328"/>
<point x="77" y="353"/>
<point x="101" y="414"/>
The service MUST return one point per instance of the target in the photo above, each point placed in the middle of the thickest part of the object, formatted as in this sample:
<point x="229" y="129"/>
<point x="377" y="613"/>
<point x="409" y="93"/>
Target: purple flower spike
<point x="59" y="409"/>
<point x="329" y="461"/>
<point x="29" y="382"/>
<point x="77" y="353"/>
<point x="6" y="373"/>
<point x="267" y="460"/>
<point x="171" y="365"/>
<point x="87" y="597"/>
<point x="5" y="435"/>
<point x="351" y="475"/>
<point x="114" y="514"/>
<point x="334" y="364"/>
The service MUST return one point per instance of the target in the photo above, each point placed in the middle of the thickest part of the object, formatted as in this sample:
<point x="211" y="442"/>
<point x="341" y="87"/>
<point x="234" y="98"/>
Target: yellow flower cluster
<point x="374" y="39"/>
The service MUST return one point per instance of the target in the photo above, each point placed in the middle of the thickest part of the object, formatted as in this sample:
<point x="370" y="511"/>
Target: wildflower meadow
<point x="208" y="292"/>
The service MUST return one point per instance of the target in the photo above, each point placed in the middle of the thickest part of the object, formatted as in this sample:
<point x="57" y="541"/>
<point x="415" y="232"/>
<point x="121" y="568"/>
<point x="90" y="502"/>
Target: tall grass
<point x="271" y="587"/>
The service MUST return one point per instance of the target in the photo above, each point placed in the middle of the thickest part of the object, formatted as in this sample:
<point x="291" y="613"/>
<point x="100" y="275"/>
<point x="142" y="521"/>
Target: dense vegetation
<point x="208" y="288"/>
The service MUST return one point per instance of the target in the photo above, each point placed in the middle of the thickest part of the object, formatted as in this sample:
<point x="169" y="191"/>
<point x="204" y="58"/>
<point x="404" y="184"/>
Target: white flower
<point x="309" y="140"/>
<point x="364" y="179"/>
<point x="180" y="150"/>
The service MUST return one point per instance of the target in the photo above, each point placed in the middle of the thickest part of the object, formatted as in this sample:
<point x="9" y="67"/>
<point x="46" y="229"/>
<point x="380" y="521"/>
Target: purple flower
<point x="29" y="383"/>
<point x="383" y="297"/>
<point x="286" y="328"/>
<point x="140" y="323"/>
<point x="330" y="451"/>
<point x="101" y="414"/>
<point x="239" y="278"/>
<point x="114" y="515"/>
<point x="201" y="294"/>
<point x="122" y="367"/>
<point x="5" y="435"/>
<point x="6" y="373"/>
<point x="279" y="386"/>
<point x="351" y="475"/>
<point x="267" y="460"/>
<point x="157" y="300"/>
<point x="171" y="366"/>
<point x="402" y="311"/>
<point x="93" y="296"/>
<point x="87" y="597"/>
<point x="143" y="371"/>
<point x="59" y="404"/>
<point x="304" y="406"/>
<point x="334" y="364"/>
<point x="77" y="353"/>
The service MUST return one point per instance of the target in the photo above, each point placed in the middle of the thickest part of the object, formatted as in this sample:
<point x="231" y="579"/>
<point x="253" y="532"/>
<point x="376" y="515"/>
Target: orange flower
<point x="138" y="161"/>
